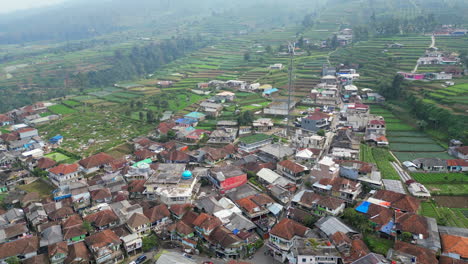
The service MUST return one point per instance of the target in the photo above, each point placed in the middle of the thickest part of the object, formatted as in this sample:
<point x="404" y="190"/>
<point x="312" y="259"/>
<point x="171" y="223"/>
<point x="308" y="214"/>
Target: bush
<point x="149" y="242"/>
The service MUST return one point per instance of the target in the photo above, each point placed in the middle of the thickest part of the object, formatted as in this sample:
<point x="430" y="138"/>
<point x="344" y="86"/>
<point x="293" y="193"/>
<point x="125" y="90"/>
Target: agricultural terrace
<point x="59" y="157"/>
<point x="457" y="217"/>
<point x="406" y="143"/>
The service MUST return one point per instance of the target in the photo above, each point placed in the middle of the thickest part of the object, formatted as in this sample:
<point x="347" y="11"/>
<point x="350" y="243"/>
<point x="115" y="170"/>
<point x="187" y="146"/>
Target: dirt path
<point x="431" y="46"/>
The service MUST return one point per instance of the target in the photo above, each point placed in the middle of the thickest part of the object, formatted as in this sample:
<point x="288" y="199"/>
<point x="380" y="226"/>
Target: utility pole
<point x="291" y="47"/>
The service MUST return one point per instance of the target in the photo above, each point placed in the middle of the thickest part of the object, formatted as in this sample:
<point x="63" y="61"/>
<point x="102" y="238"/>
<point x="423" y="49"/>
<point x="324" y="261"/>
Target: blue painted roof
<point x="270" y="91"/>
<point x="186" y="175"/>
<point x="387" y="229"/>
<point x="185" y="121"/>
<point x="363" y="207"/>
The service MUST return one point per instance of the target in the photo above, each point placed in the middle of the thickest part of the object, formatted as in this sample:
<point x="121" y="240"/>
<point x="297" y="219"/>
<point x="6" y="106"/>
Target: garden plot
<point x="440" y="178"/>
<point x="60" y="109"/>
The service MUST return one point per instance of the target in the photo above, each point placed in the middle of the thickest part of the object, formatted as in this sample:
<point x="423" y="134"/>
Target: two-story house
<point x="58" y="252"/>
<point x="227" y="177"/>
<point x="315" y="122"/>
<point x="283" y="236"/>
<point x="225" y="243"/>
<point x="64" y="174"/>
<point x="339" y="187"/>
<point x="204" y="224"/>
<point x="291" y="170"/>
<point x="103" y="219"/>
<point x="105" y="247"/>
<point x="158" y="215"/>
<point x="139" y="224"/>
<point x="73" y="229"/>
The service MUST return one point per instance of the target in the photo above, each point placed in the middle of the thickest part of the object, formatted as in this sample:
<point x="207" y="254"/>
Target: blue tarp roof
<point x="270" y="91"/>
<point x="185" y="121"/>
<point x="57" y="137"/>
<point x="387" y="229"/>
<point x="363" y="207"/>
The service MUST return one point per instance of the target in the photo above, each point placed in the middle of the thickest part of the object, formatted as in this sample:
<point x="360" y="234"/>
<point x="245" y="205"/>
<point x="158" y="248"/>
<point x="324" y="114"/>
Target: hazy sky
<point x="13" y="5"/>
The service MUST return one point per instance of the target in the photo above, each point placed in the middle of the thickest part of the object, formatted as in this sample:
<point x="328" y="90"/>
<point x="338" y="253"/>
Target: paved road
<point x="431" y="46"/>
<point x="403" y="175"/>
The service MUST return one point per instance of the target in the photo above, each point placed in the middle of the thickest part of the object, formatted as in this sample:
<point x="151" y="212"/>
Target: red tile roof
<point x="207" y="222"/>
<point x="318" y="116"/>
<point x="463" y="150"/>
<point x="26" y="129"/>
<point x="45" y="163"/>
<point x="288" y="228"/>
<point x="64" y="169"/>
<point x="144" y="154"/>
<point x="57" y="248"/>
<point x="292" y="166"/>
<point x="136" y="186"/>
<point x="455" y="244"/>
<point x="78" y="253"/>
<point x="457" y="162"/>
<point x="177" y="155"/>
<point x="97" y="160"/>
<point x="377" y="122"/>
<point x="137" y="220"/>
<point x="165" y="127"/>
<point x="358" y="250"/>
<point x="4" y="118"/>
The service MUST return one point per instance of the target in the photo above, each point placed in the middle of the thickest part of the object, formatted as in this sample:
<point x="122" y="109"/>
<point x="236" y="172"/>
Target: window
<point x="304" y="260"/>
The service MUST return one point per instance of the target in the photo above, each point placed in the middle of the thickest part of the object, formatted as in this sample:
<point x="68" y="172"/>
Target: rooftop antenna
<point x="291" y="51"/>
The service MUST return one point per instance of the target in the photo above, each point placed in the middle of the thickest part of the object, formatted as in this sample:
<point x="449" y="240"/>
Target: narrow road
<point x="431" y="46"/>
<point x="403" y="175"/>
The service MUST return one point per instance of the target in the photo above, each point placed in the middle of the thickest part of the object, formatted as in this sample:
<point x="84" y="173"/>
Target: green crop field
<point x="404" y="156"/>
<point x="447" y="189"/>
<point x="71" y="103"/>
<point x="60" y="109"/>
<point x="440" y="178"/>
<point x="416" y="147"/>
<point x="383" y="158"/>
<point x="445" y="216"/>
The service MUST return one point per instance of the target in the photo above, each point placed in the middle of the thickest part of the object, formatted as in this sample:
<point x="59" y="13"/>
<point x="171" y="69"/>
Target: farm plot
<point x="383" y="158"/>
<point x="57" y="157"/>
<point x="444" y="215"/>
<point x="447" y="189"/>
<point x="71" y="103"/>
<point x="415" y="147"/>
<point x="404" y="156"/>
<point x="60" y="109"/>
<point x="440" y="178"/>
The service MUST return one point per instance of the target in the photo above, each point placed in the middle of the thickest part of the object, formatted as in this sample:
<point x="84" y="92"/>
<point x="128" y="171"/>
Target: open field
<point x="448" y="189"/>
<point x="39" y="186"/>
<point x="61" y="109"/>
<point x="445" y="215"/>
<point x="57" y="157"/>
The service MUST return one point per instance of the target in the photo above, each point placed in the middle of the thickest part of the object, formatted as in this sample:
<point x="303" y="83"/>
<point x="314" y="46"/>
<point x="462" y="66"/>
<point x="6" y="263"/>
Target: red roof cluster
<point x="97" y="160"/>
<point x="64" y="169"/>
<point x="288" y="228"/>
<point x="292" y="166"/>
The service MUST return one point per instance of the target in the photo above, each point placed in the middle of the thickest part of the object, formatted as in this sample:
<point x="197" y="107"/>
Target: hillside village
<point x="290" y="182"/>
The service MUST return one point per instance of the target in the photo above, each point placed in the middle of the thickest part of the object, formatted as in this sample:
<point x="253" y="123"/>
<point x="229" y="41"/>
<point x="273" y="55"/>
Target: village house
<point x="73" y="229"/>
<point x="274" y="152"/>
<point x="318" y="204"/>
<point x="102" y="220"/>
<point x="315" y="122"/>
<point x="254" y="142"/>
<point x="158" y="216"/>
<point x="211" y="109"/>
<point x="431" y="164"/>
<point x="291" y="170"/>
<point x="22" y="248"/>
<point x="95" y="162"/>
<point x="280" y="107"/>
<point x="228" y="96"/>
<point x="57" y="252"/>
<point x="457" y="165"/>
<point x="315" y="250"/>
<point x="124" y="210"/>
<point x="223" y="136"/>
<point x="51" y="235"/>
<point x="325" y="168"/>
<point x="64" y="174"/>
<point x="5" y="120"/>
<point x="283" y="237"/>
<point x="139" y="224"/>
<point x="339" y="187"/>
<point x="402" y="202"/>
<point x="13" y="232"/>
<point x="205" y="224"/>
<point x="101" y="195"/>
<point x="225" y="243"/>
<point x="459" y="152"/>
<point x="105" y="247"/>
<point x="364" y="172"/>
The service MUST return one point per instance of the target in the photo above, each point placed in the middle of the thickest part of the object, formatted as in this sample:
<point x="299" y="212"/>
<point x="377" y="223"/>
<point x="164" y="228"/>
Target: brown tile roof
<point x="137" y="220"/>
<point x="463" y="150"/>
<point x="102" y="218"/>
<point x="339" y="238"/>
<point x="261" y="199"/>
<point x="4" y="118"/>
<point x="318" y="116"/>
<point x="137" y="186"/>
<point x="330" y="202"/>
<point x="57" y="248"/>
<point x="292" y="166"/>
<point x="309" y="198"/>
<point x="61" y="213"/>
<point x="379" y="214"/>
<point x="190" y="217"/>
<point x="73" y="227"/>
<point x="15" y="230"/>
<point x="177" y="155"/>
<point x="38" y="259"/>
<point x="358" y="250"/>
<point x="144" y="154"/>
<point x="423" y="255"/>
<point x="413" y="223"/>
<point x="157" y="213"/>
<point x="298" y="214"/>
<point x="78" y="253"/>
<point x="72" y="221"/>
<point x="399" y="201"/>
<point x="64" y="169"/>
<point x="182" y="228"/>
<point x="45" y="163"/>
<point x="457" y="162"/>
<point x="288" y="228"/>
<point x="102" y="239"/>
<point x="180" y="209"/>
<point x="455" y="244"/>
<point x="118" y="164"/>
<point x="10" y="136"/>
<point x="97" y="160"/>
<point x="164" y="127"/>
<point x="101" y="194"/>
<point x="207" y="222"/>
<point x="256" y="167"/>
<point x="19" y="247"/>
<point x="449" y="260"/>
<point x="224" y="237"/>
